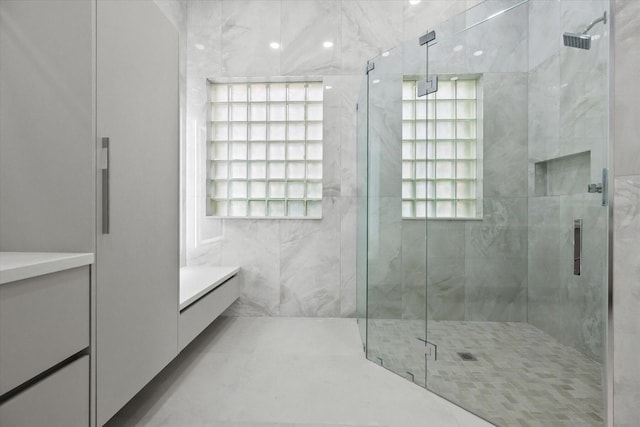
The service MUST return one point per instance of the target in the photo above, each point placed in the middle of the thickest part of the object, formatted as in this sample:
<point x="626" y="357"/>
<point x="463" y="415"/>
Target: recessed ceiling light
<point x="376" y="81"/>
<point x="274" y="45"/>
<point x="327" y="44"/>
<point x="328" y="87"/>
<point x="454" y="78"/>
<point x="199" y="46"/>
<point x="385" y="53"/>
<point x="458" y="48"/>
<point x="414" y="2"/>
<point x="478" y="53"/>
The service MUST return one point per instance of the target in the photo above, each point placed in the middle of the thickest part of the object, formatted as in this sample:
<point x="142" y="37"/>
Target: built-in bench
<point x="205" y="292"/>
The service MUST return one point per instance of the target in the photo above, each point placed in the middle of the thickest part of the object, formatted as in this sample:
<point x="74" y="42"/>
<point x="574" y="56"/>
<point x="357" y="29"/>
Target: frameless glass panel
<point x="518" y="321"/>
<point x="361" y="210"/>
<point x="396" y="244"/>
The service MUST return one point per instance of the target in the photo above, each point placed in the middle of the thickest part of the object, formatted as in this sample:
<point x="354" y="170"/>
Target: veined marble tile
<point x="626" y="264"/>
<point x="348" y="87"/>
<point x="331" y="151"/>
<point x="310" y="264"/>
<point x="414" y="269"/>
<point x="583" y="95"/>
<point x="505" y="134"/>
<point x="385" y="129"/>
<point x="496" y="289"/>
<point x="204" y="40"/>
<point x="368" y="29"/>
<point x="626" y="379"/>
<point x="448" y="55"/>
<point x="502" y="233"/>
<point x="384" y="241"/>
<point x="248" y="27"/>
<point x="362" y="145"/>
<point x="543" y="302"/>
<point x="544" y="109"/>
<point x="500" y="44"/>
<point x="428" y="15"/>
<point x="446" y="288"/>
<point x="627" y="89"/>
<point x="306" y="26"/>
<point x="543" y="226"/>
<point x="361" y="257"/>
<point x="545" y="32"/>
<point x="384" y="300"/>
<point x="385" y="277"/>
<point x="253" y="245"/>
<point x="626" y="270"/>
<point x="445" y="239"/>
<point x="206" y="254"/>
<point x="348" y="257"/>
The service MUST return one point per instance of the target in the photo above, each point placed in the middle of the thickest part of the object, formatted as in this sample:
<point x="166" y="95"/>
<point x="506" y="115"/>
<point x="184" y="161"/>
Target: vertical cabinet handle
<point x="105" y="185"/>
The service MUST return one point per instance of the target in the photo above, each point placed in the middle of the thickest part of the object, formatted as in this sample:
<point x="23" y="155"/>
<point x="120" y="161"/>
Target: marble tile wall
<point x="567" y="127"/>
<point x="481" y="273"/>
<point x="626" y="232"/>
<point x="292" y="268"/>
<point x="477" y="270"/>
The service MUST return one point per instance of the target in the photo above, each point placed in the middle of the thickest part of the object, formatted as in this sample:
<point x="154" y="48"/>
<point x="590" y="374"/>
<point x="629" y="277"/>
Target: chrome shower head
<point x="582" y="40"/>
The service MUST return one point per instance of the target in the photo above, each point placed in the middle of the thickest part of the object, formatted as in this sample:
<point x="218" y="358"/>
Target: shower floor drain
<point x="467" y="357"/>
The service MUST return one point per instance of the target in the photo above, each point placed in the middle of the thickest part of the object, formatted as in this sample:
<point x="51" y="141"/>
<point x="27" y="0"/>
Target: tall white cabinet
<point x="137" y="270"/>
<point x="73" y="72"/>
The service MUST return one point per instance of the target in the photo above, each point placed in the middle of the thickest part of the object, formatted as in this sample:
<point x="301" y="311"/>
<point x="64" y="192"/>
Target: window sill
<point x="442" y="219"/>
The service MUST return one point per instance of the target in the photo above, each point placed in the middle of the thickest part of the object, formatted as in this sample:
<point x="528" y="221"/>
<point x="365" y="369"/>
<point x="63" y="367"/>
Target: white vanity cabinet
<point x="44" y="339"/>
<point x="73" y="73"/>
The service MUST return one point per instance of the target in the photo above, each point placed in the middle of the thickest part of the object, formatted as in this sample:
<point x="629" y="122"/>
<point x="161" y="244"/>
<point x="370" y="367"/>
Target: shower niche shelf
<point x="563" y="175"/>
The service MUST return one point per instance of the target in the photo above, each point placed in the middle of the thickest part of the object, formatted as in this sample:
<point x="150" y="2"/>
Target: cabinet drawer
<point x="43" y="321"/>
<point x="59" y="400"/>
<point x="196" y="317"/>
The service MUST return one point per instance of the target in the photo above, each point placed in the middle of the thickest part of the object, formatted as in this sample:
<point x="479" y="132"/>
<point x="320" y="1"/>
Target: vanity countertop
<point x="24" y="265"/>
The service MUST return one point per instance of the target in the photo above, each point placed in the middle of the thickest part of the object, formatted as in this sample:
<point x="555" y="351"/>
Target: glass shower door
<point x="517" y="239"/>
<point x="396" y="244"/>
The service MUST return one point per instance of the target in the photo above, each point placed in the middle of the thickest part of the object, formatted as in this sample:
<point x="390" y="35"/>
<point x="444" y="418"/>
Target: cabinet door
<point x="137" y="261"/>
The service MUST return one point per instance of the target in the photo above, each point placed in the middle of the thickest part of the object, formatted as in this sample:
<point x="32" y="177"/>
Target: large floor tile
<point x="284" y="372"/>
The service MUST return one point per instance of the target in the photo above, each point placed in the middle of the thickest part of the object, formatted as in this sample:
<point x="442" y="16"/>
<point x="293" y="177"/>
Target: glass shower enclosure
<point x="482" y="218"/>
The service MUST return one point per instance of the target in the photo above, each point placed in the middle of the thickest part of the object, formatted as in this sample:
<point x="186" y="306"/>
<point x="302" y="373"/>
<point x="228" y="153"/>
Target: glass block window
<point x="265" y="152"/>
<point x="440" y="162"/>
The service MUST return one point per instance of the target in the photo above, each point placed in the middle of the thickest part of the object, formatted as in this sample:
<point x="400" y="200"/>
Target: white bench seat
<point x="205" y="292"/>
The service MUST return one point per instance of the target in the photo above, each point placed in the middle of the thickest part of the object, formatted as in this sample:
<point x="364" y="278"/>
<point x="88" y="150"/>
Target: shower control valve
<point x="594" y="188"/>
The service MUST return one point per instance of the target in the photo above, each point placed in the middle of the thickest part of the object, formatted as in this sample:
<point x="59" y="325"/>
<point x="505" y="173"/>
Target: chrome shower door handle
<point x="577" y="247"/>
<point x="104" y="158"/>
<point x="605" y="187"/>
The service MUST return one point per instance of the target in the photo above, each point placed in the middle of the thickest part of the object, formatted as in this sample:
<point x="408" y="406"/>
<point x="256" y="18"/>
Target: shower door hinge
<point x="428" y="86"/>
<point x="426" y="38"/>
<point x="429" y="350"/>
<point x="370" y="66"/>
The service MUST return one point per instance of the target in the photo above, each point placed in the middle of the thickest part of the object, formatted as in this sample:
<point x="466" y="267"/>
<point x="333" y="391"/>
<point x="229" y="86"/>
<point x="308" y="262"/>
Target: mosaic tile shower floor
<point x="522" y="376"/>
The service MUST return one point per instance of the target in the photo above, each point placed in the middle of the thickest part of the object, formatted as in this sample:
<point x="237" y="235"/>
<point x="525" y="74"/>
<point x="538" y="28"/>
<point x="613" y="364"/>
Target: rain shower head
<point x="582" y="40"/>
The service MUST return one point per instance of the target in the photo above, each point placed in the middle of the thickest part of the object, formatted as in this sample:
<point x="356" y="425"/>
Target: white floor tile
<point x="284" y="372"/>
